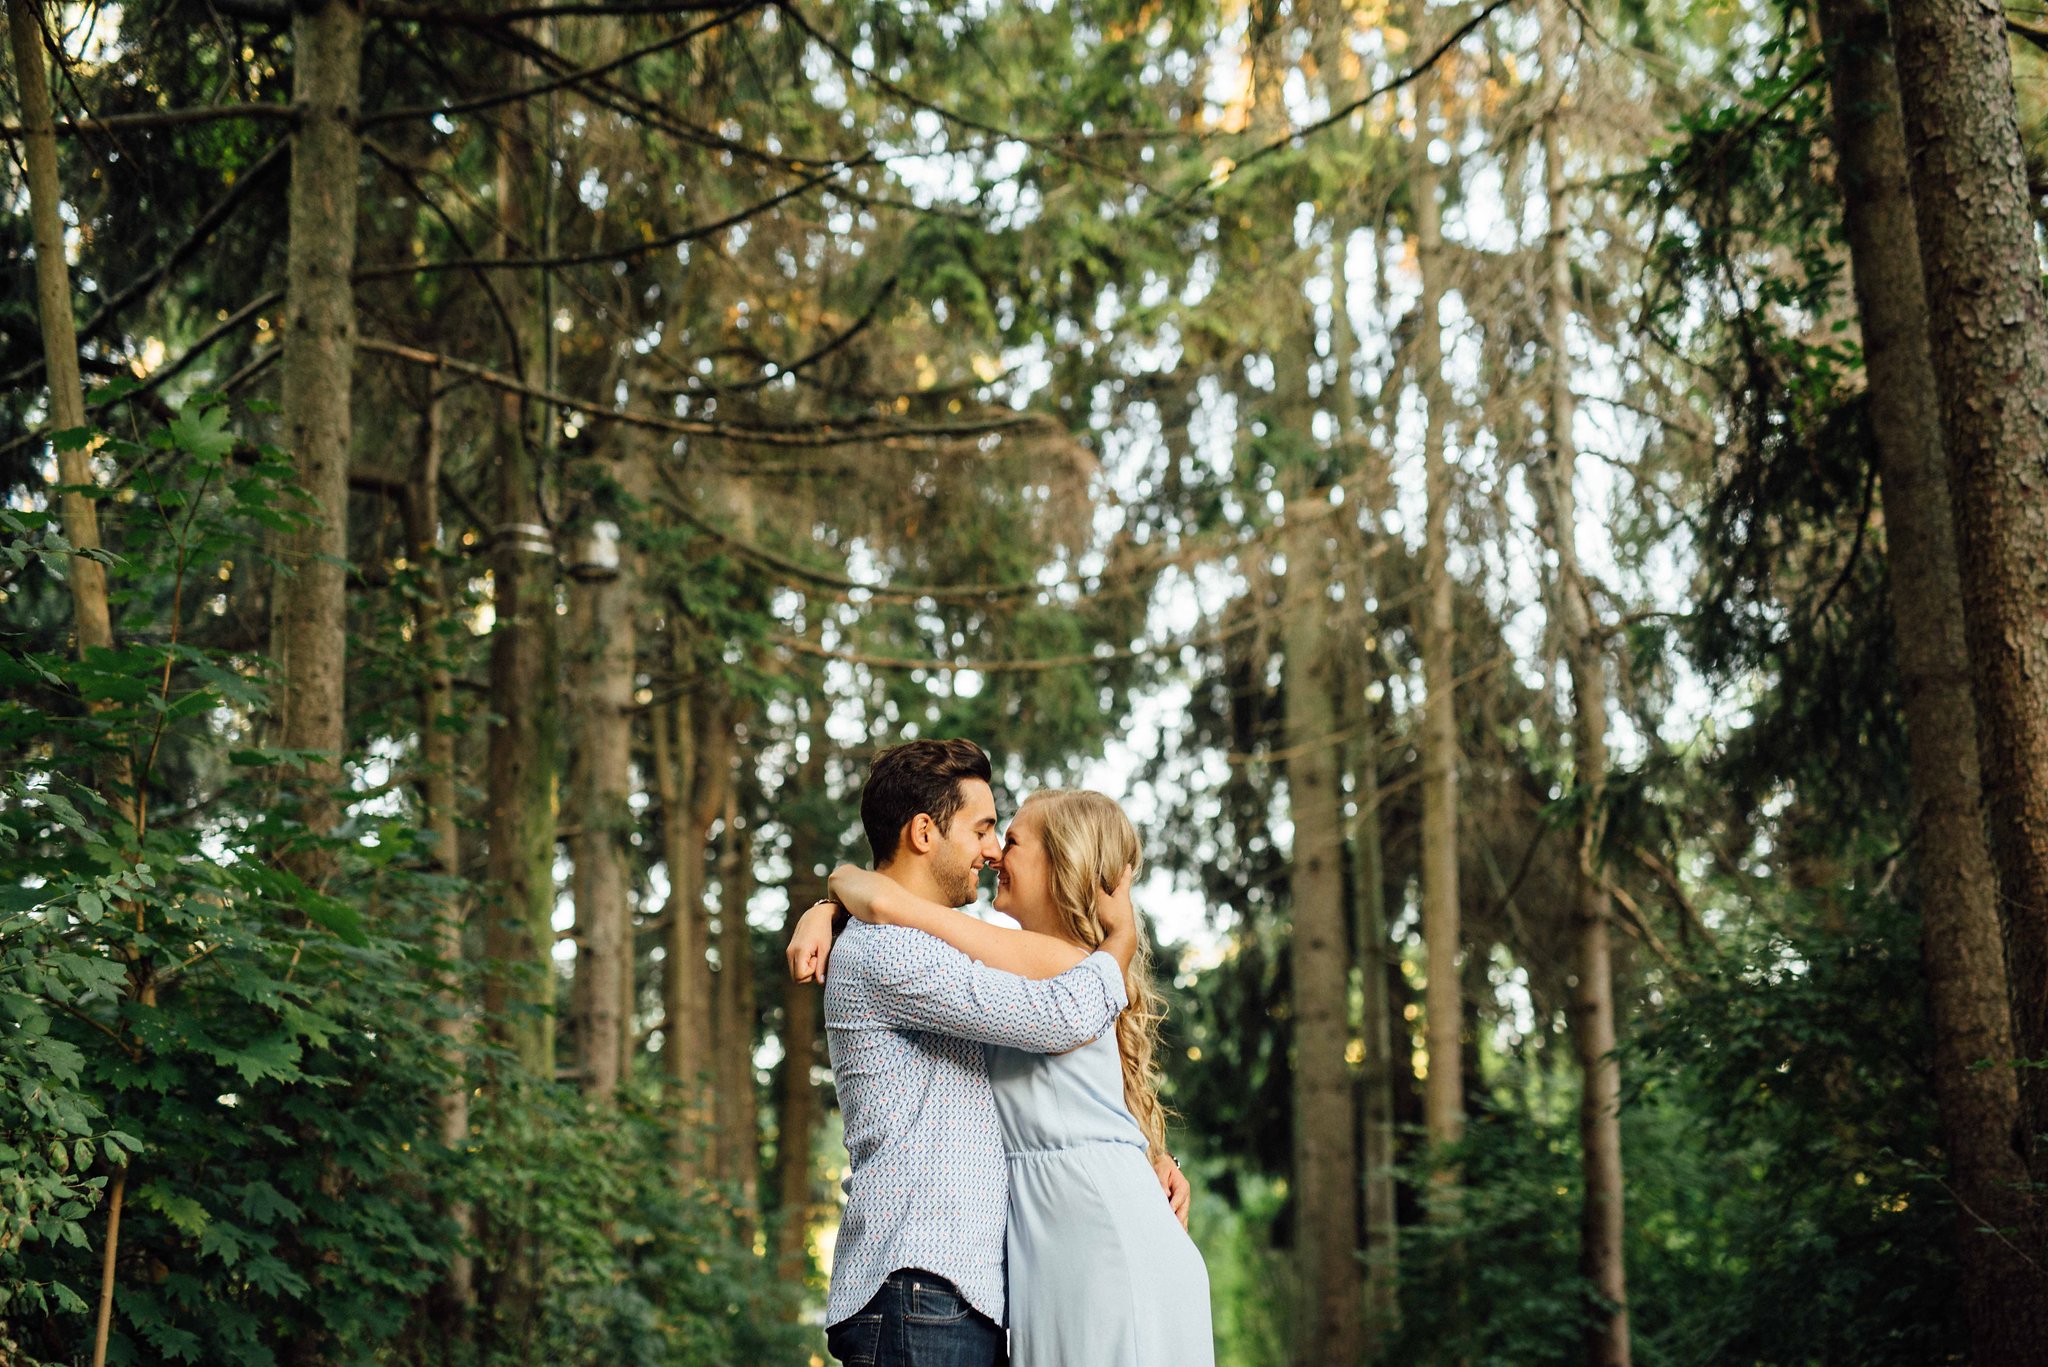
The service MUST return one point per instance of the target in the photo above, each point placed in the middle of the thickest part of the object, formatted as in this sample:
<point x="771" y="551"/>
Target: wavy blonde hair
<point x="1089" y="843"/>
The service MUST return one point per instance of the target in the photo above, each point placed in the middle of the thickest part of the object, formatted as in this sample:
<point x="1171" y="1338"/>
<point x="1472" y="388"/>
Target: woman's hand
<point x="811" y="943"/>
<point x="860" y="891"/>
<point x="1175" y="1182"/>
<point x="1119" y="921"/>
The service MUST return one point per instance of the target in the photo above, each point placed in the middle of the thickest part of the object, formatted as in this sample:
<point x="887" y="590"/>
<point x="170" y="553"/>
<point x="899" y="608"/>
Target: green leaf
<point x="270" y="1275"/>
<point x="223" y="1241"/>
<point x="336" y="917"/>
<point x="263" y="1203"/>
<point x="184" y="1213"/>
<point x="275" y="1057"/>
<point x="203" y="432"/>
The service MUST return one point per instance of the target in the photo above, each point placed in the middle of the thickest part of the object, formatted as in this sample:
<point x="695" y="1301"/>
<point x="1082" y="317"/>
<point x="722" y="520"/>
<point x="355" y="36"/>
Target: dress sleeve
<point x="917" y="981"/>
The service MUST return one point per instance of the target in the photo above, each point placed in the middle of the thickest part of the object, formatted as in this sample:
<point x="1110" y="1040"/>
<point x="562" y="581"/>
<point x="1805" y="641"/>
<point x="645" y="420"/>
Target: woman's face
<point x="1023" y="879"/>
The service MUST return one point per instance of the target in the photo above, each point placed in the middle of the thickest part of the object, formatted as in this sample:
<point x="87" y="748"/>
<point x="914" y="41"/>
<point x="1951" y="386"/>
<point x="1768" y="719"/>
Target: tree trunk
<point x="1372" y="951"/>
<point x="736" y="1105"/>
<point x="438" y="799"/>
<point x="1988" y="330"/>
<point x="1443" y="1006"/>
<point x="1325" y="1133"/>
<point x="601" y="608"/>
<point x="692" y="756"/>
<point x="519" y="895"/>
<point x="1600" y="1219"/>
<point x="1957" y="885"/>
<point x="80" y="516"/>
<point x="309" y="623"/>
<point x="1373" y="955"/>
<point x="797" y="1108"/>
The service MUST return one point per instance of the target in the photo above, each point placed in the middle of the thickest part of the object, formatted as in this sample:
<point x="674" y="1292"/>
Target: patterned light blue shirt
<point x="907" y="1022"/>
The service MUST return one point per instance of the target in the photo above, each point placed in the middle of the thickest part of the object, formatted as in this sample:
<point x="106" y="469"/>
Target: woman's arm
<point x="885" y="902"/>
<point x="810" y="945"/>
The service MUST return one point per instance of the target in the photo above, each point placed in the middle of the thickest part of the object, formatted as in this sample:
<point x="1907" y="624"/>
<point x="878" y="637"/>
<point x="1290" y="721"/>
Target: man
<point x="917" y="1272"/>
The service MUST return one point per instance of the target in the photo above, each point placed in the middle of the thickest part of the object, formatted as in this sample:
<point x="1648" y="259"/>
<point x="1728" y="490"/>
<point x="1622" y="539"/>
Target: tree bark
<point x="600" y="789"/>
<point x="2004" y="1298"/>
<point x="309" y="626"/>
<point x="1601" y="1262"/>
<point x="92" y="620"/>
<point x="1373" y="954"/>
<point x="1443" y="1005"/>
<point x="1325" y="1133"/>
<point x="1988" y="330"/>
<point x="736" y="1105"/>
<point x="1370" y="947"/>
<point x="519" y="893"/>
<point x="797" y="1109"/>
<point x="692" y="755"/>
<point x="432" y="628"/>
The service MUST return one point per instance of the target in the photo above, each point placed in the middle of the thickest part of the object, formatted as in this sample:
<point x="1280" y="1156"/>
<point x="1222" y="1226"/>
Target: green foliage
<point x="628" y="1267"/>
<point x="252" y="1059"/>
<point x="1805" y="1052"/>
<point x="1784" y="1199"/>
<point x="1511" y="1249"/>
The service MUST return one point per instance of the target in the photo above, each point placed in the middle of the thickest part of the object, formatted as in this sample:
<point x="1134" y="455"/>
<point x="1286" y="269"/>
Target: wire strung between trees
<point x="1100" y="656"/>
<point x="803" y="578"/>
<point x="824" y="433"/>
<point x="624" y="252"/>
<point x="882" y="592"/>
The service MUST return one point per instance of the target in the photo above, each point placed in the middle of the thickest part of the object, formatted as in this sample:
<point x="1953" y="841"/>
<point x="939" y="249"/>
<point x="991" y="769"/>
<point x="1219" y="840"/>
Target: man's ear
<point x="921" y="834"/>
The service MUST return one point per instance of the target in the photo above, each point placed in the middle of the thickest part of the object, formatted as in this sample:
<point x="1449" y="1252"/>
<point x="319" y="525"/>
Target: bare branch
<point x="565" y="79"/>
<point x="211" y="220"/>
<point x="163" y="118"/>
<point x="499" y="18"/>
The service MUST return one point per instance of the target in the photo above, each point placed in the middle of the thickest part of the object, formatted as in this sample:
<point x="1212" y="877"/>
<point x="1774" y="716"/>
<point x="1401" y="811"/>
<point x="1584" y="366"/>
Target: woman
<point x="1101" y="1273"/>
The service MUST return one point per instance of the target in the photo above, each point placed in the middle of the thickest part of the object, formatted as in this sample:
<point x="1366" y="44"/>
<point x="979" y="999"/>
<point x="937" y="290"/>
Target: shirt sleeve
<point x="919" y="982"/>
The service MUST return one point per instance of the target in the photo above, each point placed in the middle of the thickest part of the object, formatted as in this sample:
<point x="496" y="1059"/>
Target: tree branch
<point x="163" y="118"/>
<point x="211" y="220"/>
<point x="1051" y="146"/>
<point x="564" y="79"/>
<point x="500" y="18"/>
<point x="1337" y="116"/>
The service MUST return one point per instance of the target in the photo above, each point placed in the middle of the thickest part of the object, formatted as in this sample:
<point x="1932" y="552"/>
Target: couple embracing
<point x="997" y="1087"/>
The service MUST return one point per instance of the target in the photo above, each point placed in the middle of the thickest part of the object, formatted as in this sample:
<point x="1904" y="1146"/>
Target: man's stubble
<point x="956" y="881"/>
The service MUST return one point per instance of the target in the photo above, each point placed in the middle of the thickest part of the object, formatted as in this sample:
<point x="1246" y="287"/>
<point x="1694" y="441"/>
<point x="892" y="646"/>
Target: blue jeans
<point x="918" y="1320"/>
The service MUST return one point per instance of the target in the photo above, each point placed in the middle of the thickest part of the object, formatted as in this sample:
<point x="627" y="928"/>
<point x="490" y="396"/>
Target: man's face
<point x="964" y="847"/>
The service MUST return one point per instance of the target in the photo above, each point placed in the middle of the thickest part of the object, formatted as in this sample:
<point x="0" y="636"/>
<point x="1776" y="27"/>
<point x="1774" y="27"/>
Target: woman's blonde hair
<point x="1089" y="845"/>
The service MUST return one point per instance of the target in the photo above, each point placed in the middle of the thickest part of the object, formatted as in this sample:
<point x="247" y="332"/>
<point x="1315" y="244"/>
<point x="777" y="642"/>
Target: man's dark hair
<point x="916" y="776"/>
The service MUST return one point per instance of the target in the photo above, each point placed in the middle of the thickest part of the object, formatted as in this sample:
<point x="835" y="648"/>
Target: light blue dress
<point x="1101" y="1273"/>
